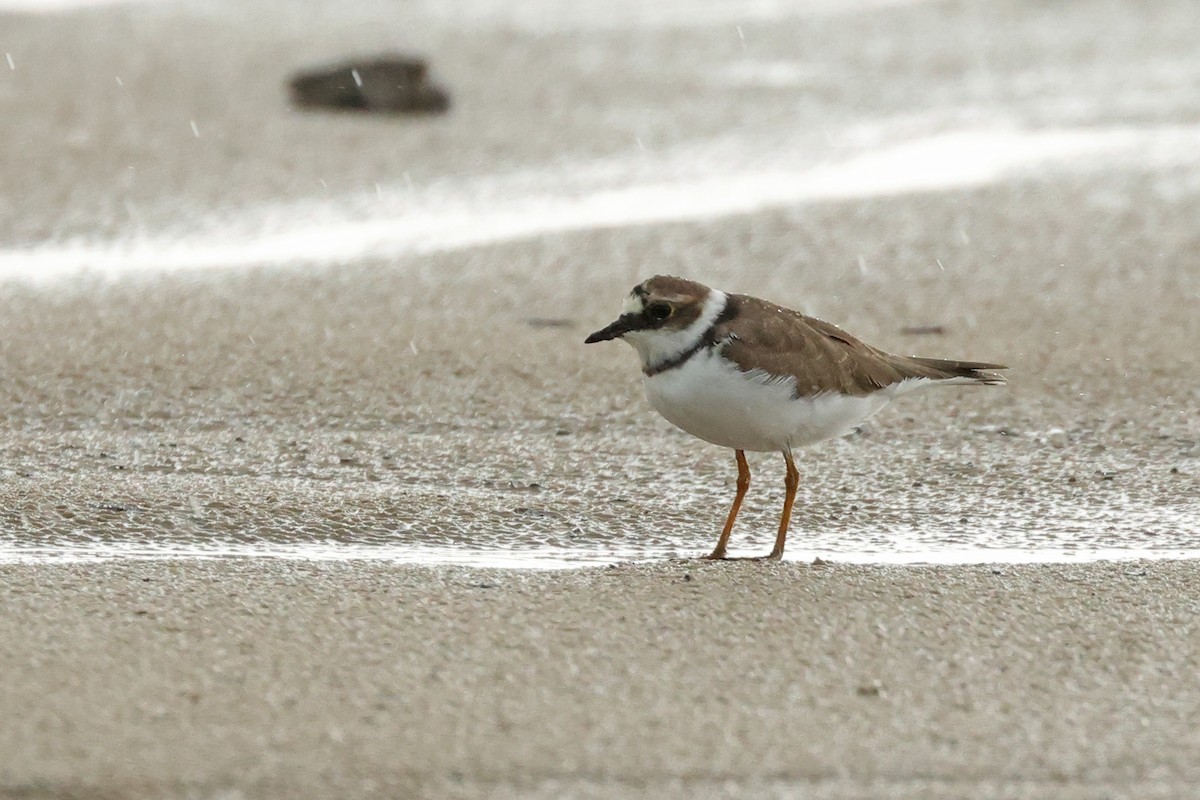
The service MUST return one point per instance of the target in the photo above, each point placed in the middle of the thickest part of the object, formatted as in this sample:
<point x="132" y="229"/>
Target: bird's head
<point x="662" y="317"/>
<point x="659" y="305"/>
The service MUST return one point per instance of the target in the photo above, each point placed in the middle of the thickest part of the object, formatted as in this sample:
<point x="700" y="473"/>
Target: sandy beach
<point x="254" y="419"/>
<point x="276" y="679"/>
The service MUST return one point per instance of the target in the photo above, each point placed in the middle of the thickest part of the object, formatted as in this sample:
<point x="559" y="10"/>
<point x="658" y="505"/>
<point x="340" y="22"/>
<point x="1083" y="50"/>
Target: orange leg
<point x="743" y="484"/>
<point x="790" y="483"/>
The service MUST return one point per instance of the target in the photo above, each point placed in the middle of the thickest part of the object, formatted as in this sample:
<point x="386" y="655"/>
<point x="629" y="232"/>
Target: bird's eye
<point x="658" y="311"/>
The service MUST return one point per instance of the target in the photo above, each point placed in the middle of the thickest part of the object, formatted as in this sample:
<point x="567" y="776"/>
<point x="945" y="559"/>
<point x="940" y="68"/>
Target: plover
<point x="744" y="373"/>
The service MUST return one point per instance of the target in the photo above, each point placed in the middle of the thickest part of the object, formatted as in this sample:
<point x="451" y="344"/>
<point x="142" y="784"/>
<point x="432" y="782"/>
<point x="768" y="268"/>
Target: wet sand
<point x="272" y="679"/>
<point x="422" y="402"/>
<point x="412" y="403"/>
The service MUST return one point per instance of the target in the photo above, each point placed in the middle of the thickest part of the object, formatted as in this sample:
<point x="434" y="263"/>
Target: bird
<point x="750" y="375"/>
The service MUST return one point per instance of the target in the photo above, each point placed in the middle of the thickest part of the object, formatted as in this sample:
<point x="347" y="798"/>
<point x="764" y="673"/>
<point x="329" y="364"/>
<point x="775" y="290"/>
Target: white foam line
<point x="937" y="163"/>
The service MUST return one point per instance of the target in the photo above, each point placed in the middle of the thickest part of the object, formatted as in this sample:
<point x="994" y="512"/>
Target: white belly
<point x="712" y="400"/>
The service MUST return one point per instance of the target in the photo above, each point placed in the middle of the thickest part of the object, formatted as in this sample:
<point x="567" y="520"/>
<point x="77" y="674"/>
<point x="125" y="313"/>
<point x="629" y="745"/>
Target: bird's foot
<point x="714" y="556"/>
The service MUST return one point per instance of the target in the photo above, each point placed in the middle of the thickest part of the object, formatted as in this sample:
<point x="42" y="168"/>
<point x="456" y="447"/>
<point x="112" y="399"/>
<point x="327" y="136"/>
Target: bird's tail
<point x="940" y="369"/>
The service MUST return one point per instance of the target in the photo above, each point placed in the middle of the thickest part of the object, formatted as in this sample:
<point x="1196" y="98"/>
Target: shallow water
<point x="554" y="557"/>
<point x="563" y="524"/>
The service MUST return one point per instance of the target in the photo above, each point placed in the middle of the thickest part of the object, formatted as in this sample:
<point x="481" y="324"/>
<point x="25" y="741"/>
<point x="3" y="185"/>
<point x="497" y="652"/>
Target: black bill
<point x="618" y="328"/>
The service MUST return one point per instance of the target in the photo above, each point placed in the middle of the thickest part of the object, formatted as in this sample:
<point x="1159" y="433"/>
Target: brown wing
<point x="820" y="356"/>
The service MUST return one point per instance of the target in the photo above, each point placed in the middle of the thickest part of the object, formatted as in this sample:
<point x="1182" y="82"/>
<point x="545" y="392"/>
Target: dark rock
<point x="388" y="84"/>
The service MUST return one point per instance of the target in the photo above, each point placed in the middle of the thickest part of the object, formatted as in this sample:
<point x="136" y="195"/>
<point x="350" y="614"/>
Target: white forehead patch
<point x="633" y="305"/>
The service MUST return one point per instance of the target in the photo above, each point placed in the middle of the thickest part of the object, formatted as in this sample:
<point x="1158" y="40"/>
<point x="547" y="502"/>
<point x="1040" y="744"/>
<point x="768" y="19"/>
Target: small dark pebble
<point x="485" y="585"/>
<point x="533" y="512"/>
<point x="687" y="577"/>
